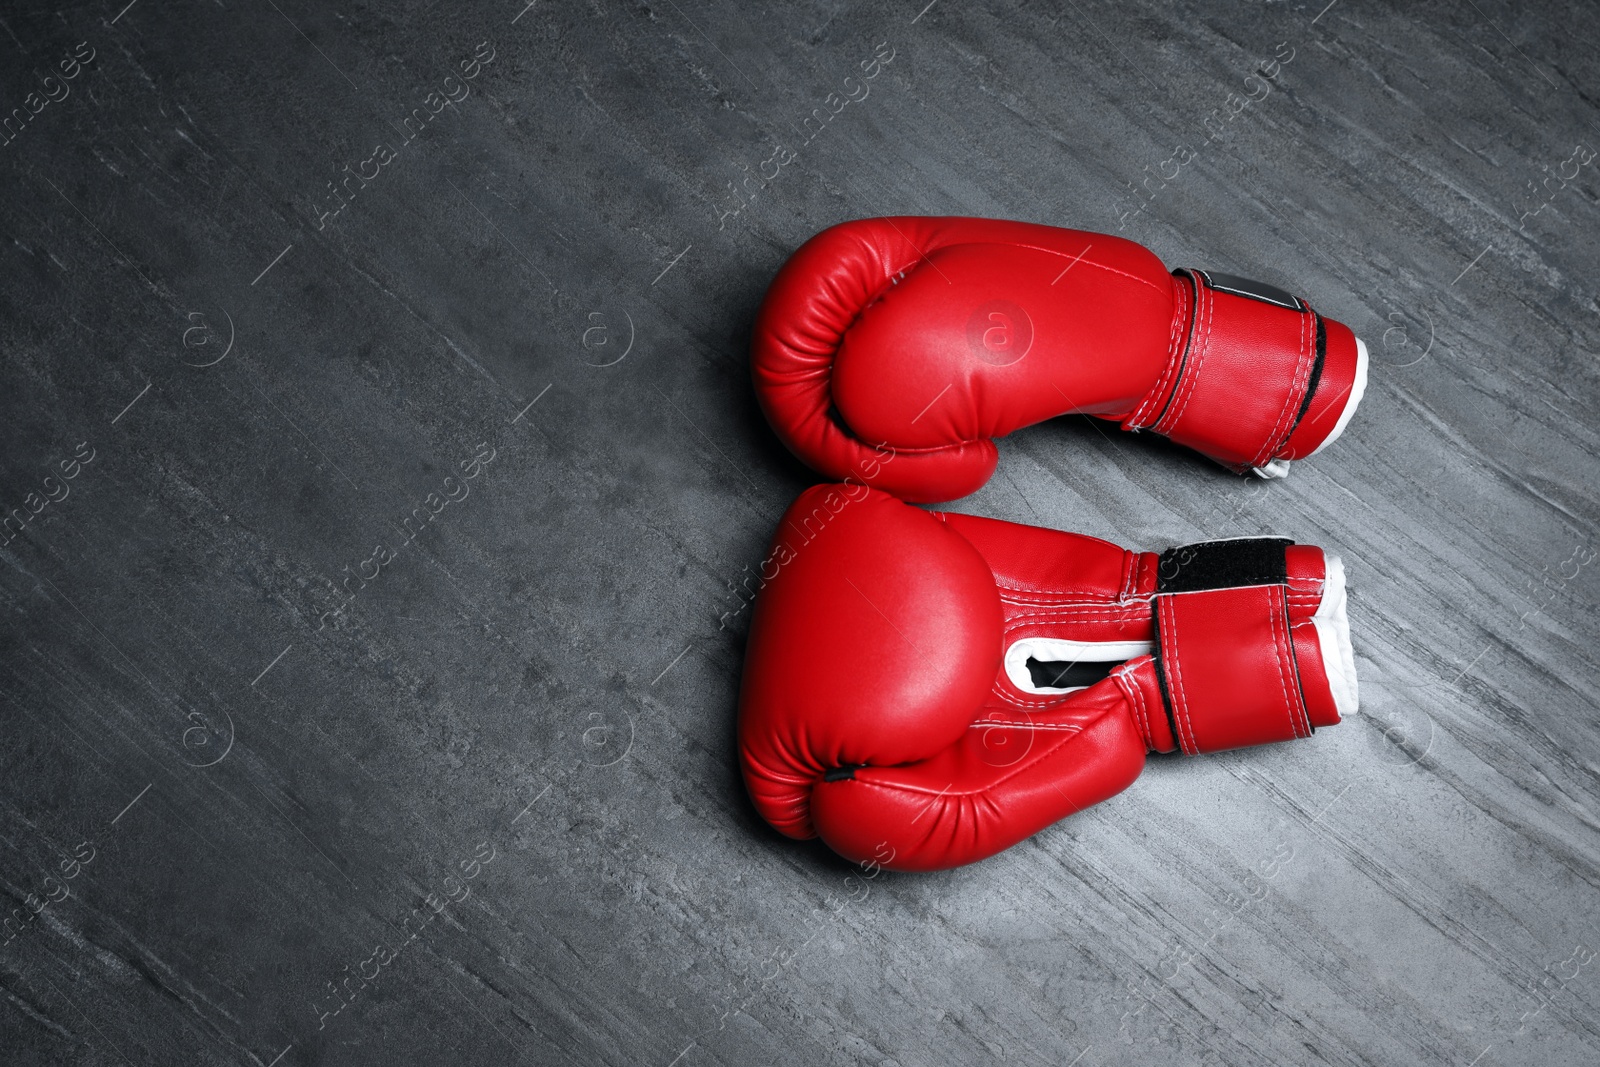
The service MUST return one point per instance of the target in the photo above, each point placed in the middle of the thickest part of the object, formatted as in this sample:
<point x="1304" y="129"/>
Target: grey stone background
<point x="482" y="807"/>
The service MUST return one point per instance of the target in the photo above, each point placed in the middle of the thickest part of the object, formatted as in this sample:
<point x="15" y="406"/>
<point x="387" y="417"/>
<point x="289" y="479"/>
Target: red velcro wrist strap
<point x="1252" y="359"/>
<point x="1225" y="659"/>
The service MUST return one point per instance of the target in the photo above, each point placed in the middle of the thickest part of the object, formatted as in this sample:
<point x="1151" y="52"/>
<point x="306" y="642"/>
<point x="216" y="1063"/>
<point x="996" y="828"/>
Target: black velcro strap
<point x="1223" y="564"/>
<point x="1253" y="290"/>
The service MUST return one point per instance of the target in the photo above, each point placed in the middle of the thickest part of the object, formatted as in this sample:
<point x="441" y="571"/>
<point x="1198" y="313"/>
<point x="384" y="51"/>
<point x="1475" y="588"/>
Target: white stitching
<point x="1135" y="697"/>
<point x="1281" y="619"/>
<point x="1017" y="768"/>
<point x="1289" y="402"/>
<point x="1169" y="622"/>
<point x="1273" y="619"/>
<point x="985" y="723"/>
<point x="1158" y="392"/>
<point x="1192" y="373"/>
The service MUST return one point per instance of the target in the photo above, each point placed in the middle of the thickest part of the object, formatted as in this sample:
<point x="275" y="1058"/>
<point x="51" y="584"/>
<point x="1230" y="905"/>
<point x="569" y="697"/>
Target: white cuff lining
<point x="1333" y="634"/>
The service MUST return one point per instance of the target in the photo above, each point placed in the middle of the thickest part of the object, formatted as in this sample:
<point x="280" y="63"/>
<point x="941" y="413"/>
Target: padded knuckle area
<point x="926" y="338"/>
<point x="962" y="806"/>
<point x="873" y="640"/>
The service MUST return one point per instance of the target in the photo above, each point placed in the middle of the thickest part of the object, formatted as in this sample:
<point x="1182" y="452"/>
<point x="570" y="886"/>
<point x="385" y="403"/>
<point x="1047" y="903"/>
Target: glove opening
<point x="1052" y="665"/>
<point x="1069" y="674"/>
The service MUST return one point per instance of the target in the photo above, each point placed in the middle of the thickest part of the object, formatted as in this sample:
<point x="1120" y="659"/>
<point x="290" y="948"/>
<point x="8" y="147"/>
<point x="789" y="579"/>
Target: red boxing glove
<point x="930" y="337"/>
<point x="923" y="690"/>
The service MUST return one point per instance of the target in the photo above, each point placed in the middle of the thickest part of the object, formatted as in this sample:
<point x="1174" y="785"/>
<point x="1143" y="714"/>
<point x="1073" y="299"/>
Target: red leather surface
<point x="874" y="642"/>
<point x="998" y="785"/>
<point x="1307" y="571"/>
<point x="1061" y="585"/>
<point x="926" y="338"/>
<point x="1141" y="688"/>
<point x="1091" y="342"/>
<point x="877" y="643"/>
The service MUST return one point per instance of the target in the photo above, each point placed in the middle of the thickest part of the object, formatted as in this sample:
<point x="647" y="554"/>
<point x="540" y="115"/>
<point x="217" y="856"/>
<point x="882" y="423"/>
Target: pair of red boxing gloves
<point x="924" y="689"/>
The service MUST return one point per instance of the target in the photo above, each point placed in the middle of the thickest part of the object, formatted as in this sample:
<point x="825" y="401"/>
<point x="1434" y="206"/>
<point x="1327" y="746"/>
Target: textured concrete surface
<point x="364" y="696"/>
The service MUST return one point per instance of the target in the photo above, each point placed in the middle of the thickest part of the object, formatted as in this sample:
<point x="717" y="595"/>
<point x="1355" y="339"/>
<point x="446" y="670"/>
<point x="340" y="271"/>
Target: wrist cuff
<point x="1225" y="661"/>
<point x="1254" y="378"/>
<point x="1228" y="650"/>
